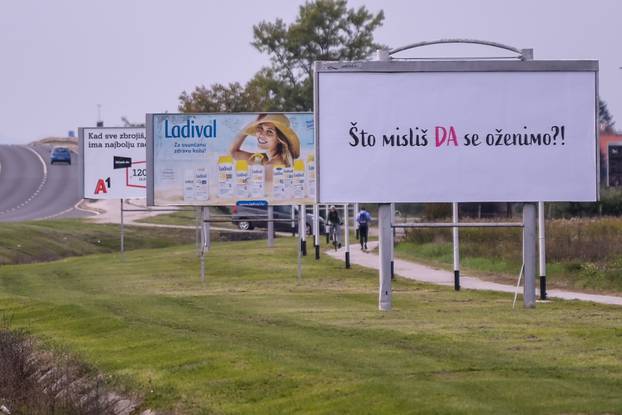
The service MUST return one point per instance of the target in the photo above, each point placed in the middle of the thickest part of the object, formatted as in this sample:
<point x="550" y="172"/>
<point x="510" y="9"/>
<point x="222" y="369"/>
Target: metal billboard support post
<point x="302" y="229"/>
<point x="393" y="238"/>
<point x="299" y="265"/>
<point x="316" y="230"/>
<point x="122" y="230"/>
<point x="346" y="231"/>
<point x="456" y="244"/>
<point x="384" y="234"/>
<point x="293" y="221"/>
<point x="202" y="250"/>
<point x="354" y="222"/>
<point x="326" y="222"/>
<point x="198" y="218"/>
<point x="205" y="238"/>
<point x="529" y="254"/>
<point x="270" y="226"/>
<point x="542" y="250"/>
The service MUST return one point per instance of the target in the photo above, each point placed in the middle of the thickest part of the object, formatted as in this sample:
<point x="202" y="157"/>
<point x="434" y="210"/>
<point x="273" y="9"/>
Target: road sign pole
<point x="456" y="245"/>
<point x="122" y="230"/>
<point x="529" y="254"/>
<point x="542" y="250"/>
<point x="346" y="231"/>
<point x="384" y="233"/>
<point x="270" y="226"/>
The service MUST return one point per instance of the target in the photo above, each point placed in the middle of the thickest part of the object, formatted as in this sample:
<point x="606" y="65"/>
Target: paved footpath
<point x="423" y="273"/>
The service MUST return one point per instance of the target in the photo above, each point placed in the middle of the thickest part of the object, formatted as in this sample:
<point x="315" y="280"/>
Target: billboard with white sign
<point x="225" y="159"/>
<point x="113" y="163"/>
<point x="457" y="131"/>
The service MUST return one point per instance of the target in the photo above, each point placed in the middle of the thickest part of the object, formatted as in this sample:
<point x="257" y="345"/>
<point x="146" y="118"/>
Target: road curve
<point x="31" y="188"/>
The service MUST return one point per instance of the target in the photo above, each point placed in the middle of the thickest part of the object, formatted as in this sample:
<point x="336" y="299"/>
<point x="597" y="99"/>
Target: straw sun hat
<point x="281" y="122"/>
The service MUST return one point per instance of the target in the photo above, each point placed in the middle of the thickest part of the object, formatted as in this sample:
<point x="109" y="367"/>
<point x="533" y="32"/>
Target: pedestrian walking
<point x="363" y="218"/>
<point x="335" y="226"/>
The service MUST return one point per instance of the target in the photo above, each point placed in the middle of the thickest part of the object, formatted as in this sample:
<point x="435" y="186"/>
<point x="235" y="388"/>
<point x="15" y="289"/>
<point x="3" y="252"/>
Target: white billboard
<point x="457" y="131"/>
<point x="114" y="163"/>
<point x="226" y="159"/>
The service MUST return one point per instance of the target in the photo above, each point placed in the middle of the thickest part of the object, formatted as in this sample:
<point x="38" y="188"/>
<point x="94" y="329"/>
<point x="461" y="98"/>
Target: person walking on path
<point x="363" y="218"/>
<point x="335" y="222"/>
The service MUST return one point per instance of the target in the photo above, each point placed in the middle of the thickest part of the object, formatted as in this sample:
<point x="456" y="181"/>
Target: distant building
<point x="613" y="163"/>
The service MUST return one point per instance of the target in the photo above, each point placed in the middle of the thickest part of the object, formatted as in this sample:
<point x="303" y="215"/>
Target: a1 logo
<point x="101" y="186"/>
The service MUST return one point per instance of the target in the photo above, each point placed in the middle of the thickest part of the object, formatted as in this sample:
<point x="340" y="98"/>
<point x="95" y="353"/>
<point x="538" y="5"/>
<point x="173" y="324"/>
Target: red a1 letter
<point x="101" y="187"/>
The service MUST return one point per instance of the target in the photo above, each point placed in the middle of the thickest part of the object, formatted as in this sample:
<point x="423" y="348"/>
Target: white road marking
<point x="43" y="181"/>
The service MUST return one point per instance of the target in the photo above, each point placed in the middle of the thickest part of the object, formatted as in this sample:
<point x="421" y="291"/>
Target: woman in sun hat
<point x="274" y="135"/>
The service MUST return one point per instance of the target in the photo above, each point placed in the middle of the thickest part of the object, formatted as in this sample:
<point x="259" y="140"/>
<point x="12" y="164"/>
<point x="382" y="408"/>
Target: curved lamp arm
<point x="524" y="54"/>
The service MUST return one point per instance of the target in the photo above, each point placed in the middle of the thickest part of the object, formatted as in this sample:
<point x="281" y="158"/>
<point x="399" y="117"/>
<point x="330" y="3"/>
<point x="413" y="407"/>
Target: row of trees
<point x="323" y="30"/>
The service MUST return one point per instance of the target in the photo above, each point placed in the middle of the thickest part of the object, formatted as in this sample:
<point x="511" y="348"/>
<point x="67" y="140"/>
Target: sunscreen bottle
<point x="201" y="188"/>
<point x="257" y="177"/>
<point x="241" y="178"/>
<point x="189" y="185"/>
<point x="311" y="175"/>
<point x="288" y="182"/>
<point x="299" y="180"/>
<point x="278" y="182"/>
<point x="225" y="177"/>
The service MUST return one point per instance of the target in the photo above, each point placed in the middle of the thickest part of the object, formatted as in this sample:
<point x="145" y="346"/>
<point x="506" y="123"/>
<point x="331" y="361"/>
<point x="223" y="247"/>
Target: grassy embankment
<point x="581" y="253"/>
<point x="188" y="217"/>
<point x="253" y="340"/>
<point x="37" y="241"/>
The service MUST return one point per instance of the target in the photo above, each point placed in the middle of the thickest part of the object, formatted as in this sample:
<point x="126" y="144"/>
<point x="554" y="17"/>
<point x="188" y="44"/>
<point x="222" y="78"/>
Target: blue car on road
<point x="60" y="155"/>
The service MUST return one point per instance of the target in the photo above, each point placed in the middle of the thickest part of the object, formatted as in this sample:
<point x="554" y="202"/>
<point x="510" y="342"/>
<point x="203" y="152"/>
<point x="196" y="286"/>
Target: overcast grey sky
<point x="60" y="58"/>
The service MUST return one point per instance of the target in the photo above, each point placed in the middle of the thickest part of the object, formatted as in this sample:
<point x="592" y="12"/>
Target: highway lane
<point x="31" y="188"/>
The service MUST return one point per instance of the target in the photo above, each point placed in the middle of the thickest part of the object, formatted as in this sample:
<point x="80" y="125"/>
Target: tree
<point x="605" y="120"/>
<point x="323" y="30"/>
<point x="127" y="123"/>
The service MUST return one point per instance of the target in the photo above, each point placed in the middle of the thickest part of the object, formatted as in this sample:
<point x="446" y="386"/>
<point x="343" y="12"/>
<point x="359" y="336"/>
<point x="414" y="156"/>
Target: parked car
<point x="60" y="155"/>
<point x="250" y="217"/>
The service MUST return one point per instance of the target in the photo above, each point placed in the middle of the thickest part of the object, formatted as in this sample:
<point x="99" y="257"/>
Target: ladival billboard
<point x="222" y="159"/>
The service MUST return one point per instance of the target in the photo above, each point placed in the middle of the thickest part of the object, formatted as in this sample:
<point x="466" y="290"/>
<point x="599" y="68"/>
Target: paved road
<point x="31" y="188"/>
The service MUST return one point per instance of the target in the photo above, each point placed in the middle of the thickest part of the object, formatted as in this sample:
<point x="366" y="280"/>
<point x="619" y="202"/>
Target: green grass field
<point x="188" y="217"/>
<point x="582" y="254"/>
<point x="253" y="340"/>
<point x="182" y="217"/>
<point x="36" y="241"/>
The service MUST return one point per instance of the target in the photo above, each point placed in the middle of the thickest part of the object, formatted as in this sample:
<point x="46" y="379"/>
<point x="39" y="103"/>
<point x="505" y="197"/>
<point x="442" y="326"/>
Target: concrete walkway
<point x="109" y="211"/>
<point x="423" y="273"/>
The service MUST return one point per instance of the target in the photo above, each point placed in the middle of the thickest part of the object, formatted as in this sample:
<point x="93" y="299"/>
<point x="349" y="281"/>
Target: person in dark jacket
<point x="363" y="218"/>
<point x="335" y="221"/>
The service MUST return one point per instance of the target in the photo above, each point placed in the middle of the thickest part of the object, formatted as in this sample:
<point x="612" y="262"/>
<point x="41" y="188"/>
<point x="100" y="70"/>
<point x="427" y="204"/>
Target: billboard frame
<point x="150" y="155"/>
<point x="468" y="66"/>
<point x="82" y="166"/>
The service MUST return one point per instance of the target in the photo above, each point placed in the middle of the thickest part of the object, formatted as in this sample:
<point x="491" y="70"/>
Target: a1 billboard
<point x="113" y="163"/>
<point x="460" y="131"/>
<point x="224" y="159"/>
